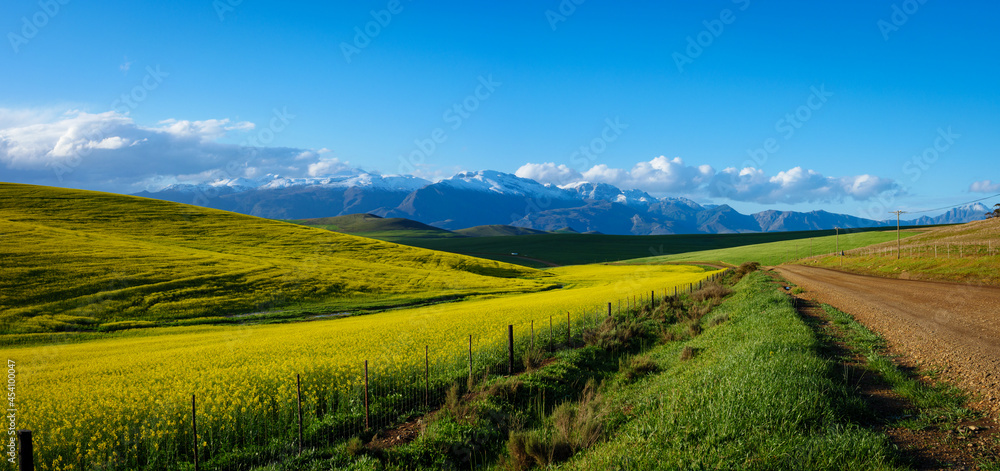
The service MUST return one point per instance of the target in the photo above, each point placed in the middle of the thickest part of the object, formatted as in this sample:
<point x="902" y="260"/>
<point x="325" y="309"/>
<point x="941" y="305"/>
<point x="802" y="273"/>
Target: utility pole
<point x="897" y="213"/>
<point x="839" y="255"/>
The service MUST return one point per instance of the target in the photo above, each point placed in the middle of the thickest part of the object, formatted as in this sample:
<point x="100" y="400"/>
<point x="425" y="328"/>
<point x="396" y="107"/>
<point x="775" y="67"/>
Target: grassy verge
<point x="753" y="394"/>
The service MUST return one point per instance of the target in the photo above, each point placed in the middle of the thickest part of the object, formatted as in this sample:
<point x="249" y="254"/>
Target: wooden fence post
<point x="569" y="341"/>
<point x="367" y="410"/>
<point x="194" y="432"/>
<point x="609" y="309"/>
<point x="26" y="452"/>
<point x="510" y="349"/>
<point x="470" y="357"/>
<point x="532" y="335"/>
<point x="298" y="395"/>
<point x="427" y="376"/>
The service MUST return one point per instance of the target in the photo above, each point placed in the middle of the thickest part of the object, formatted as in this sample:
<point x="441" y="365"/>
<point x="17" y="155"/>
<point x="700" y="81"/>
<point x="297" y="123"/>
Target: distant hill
<point x="371" y="224"/>
<point x="496" y="230"/>
<point x="487" y="197"/>
<point x="84" y="260"/>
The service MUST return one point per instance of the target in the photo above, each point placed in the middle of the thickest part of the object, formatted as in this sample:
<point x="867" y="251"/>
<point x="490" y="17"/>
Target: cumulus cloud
<point x="797" y="185"/>
<point x="548" y="172"/>
<point x="985" y="186"/>
<point x="109" y="151"/>
<point x="327" y="167"/>
<point x="660" y="175"/>
<point x="673" y="176"/>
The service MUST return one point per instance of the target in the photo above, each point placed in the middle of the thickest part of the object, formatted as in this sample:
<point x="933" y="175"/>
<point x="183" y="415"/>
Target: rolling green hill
<point x="83" y="260"/>
<point x="964" y="253"/>
<point x="782" y="251"/>
<point x="573" y="249"/>
<point x="371" y="225"/>
<point x="497" y="230"/>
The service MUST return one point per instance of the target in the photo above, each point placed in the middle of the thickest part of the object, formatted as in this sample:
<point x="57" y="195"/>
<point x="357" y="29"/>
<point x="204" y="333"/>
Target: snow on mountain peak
<point x="505" y="184"/>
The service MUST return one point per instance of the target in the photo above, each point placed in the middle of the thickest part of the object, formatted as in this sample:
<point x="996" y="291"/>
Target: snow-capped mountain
<point x="606" y="192"/>
<point x="488" y="197"/>
<point x="274" y="182"/>
<point x="966" y="213"/>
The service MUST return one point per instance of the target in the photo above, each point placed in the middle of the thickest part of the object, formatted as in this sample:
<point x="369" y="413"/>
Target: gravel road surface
<point x="949" y="327"/>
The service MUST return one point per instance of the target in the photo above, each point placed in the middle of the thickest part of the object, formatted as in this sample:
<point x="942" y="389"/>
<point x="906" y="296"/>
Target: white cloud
<point x="109" y="151"/>
<point x="985" y="186"/>
<point x="667" y="176"/>
<point x="207" y="130"/>
<point x="548" y="172"/>
<point x="326" y="167"/>
<point x="796" y="185"/>
<point x="659" y="175"/>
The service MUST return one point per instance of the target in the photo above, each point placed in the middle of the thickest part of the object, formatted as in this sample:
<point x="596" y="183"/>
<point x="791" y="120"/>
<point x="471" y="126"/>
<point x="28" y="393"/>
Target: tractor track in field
<point x="949" y="327"/>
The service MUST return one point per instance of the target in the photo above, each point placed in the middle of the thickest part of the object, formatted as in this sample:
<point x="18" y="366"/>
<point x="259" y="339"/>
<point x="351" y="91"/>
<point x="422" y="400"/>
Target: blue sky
<point x="858" y="107"/>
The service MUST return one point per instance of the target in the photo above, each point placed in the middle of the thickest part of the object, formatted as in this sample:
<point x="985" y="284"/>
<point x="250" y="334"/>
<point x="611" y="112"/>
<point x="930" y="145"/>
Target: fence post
<point x="532" y="335"/>
<point x="470" y="357"/>
<point x="569" y="341"/>
<point x="194" y="432"/>
<point x="298" y="395"/>
<point x="367" y="416"/>
<point x="551" y="334"/>
<point x="609" y="309"/>
<point x="510" y="349"/>
<point x="26" y="452"/>
<point x="427" y="376"/>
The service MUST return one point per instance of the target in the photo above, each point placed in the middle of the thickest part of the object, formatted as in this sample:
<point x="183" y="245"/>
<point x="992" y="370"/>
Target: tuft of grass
<point x="637" y="367"/>
<point x="533" y="358"/>
<point x="717" y="320"/>
<point x="687" y="353"/>
<point x="712" y="292"/>
<point x="354" y="447"/>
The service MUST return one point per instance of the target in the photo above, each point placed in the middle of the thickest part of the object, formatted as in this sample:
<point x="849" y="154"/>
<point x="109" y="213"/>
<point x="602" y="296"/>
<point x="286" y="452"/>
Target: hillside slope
<point x="364" y="224"/>
<point x="82" y="260"/>
<point x="964" y="253"/>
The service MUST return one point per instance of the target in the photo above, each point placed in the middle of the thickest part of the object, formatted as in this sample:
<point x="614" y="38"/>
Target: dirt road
<point x="950" y="327"/>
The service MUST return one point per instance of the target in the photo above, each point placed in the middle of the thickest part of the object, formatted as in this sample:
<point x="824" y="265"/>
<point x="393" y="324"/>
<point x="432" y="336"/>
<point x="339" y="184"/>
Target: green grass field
<point x="79" y="260"/>
<point x="375" y="227"/>
<point x="573" y="249"/>
<point x="783" y="251"/>
<point x="966" y="253"/>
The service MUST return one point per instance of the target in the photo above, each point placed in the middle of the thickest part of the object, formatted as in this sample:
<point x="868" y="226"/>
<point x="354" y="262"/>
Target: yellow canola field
<point x="115" y="399"/>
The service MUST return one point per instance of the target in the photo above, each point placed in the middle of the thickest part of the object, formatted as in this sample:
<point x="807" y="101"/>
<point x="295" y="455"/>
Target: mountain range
<point x="493" y="198"/>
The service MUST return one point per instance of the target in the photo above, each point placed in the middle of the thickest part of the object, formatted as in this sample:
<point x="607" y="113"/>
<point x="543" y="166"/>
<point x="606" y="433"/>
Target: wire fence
<point x="316" y="408"/>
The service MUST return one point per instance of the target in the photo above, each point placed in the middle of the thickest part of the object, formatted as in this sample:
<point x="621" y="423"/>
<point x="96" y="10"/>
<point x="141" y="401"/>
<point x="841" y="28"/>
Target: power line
<point x="952" y="206"/>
